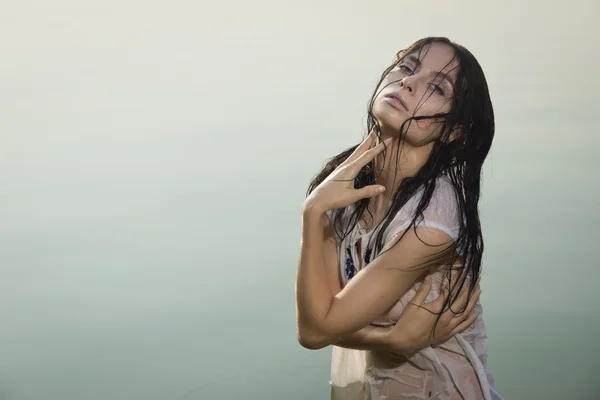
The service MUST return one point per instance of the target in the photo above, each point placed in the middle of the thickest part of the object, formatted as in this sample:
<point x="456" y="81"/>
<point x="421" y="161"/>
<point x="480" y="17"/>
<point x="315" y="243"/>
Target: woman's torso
<point x="452" y="370"/>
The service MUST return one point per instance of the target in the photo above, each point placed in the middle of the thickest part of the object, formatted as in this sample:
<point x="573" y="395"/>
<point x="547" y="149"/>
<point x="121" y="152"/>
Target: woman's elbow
<point x="312" y="341"/>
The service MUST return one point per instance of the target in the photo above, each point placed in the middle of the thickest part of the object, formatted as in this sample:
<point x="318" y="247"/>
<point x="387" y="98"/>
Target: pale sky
<point x="154" y="157"/>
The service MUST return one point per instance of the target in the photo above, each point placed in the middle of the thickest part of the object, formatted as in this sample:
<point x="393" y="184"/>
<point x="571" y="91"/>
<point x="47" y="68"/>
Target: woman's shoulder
<point x="444" y="193"/>
<point x="440" y="213"/>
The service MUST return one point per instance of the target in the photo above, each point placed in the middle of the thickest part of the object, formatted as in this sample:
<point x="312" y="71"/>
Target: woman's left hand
<point x="415" y="331"/>
<point x="337" y="190"/>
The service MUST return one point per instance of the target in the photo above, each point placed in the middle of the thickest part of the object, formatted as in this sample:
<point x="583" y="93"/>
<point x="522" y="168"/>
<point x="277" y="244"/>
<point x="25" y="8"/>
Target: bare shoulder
<point x="417" y="244"/>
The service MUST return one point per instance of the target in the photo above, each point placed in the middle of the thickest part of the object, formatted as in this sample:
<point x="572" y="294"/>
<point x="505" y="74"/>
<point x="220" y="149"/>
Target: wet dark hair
<point x="460" y="158"/>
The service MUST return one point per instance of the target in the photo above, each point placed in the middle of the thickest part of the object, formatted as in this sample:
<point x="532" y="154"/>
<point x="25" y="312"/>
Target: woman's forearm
<point x="374" y="338"/>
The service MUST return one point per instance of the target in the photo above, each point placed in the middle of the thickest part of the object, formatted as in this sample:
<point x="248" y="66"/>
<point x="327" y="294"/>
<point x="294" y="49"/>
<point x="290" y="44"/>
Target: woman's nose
<point x="407" y="84"/>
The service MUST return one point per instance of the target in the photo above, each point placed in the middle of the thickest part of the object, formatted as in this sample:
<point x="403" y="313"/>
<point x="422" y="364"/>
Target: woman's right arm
<point x="369" y="337"/>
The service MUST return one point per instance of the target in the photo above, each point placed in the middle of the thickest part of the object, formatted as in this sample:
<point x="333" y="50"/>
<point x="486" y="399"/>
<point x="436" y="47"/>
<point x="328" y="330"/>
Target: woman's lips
<point x="397" y="102"/>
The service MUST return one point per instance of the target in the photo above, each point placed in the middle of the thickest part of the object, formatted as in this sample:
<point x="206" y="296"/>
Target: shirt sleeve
<point x="442" y="213"/>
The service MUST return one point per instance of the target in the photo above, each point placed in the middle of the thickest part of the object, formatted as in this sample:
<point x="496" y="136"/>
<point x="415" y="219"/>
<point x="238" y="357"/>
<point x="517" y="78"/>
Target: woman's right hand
<point x="414" y="330"/>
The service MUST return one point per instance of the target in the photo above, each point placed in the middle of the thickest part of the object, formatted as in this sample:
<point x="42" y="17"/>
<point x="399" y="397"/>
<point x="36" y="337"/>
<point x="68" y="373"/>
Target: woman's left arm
<point x="324" y="316"/>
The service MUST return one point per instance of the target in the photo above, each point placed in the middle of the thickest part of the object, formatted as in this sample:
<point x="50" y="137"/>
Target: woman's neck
<point x="401" y="161"/>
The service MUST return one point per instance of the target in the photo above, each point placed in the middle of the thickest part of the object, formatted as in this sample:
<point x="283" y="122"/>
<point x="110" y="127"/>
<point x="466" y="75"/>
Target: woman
<point x="405" y="202"/>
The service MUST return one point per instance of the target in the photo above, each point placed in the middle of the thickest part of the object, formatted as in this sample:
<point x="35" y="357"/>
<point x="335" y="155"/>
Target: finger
<point x="472" y="303"/>
<point x="369" y="155"/>
<point x="367" y="192"/>
<point x="461" y="314"/>
<point x="438" y="303"/>
<point x="421" y="295"/>
<point x="364" y="146"/>
<point x="472" y="300"/>
<point x="465" y="324"/>
<point x="458" y="279"/>
<point x="462" y="299"/>
<point x="462" y="277"/>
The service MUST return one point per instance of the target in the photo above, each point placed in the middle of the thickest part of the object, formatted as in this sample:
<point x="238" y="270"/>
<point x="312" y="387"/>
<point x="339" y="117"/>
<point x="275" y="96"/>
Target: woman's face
<point x="419" y="85"/>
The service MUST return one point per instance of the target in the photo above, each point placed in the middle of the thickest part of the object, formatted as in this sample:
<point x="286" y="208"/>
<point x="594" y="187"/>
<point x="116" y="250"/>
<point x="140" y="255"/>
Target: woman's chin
<point x="389" y="125"/>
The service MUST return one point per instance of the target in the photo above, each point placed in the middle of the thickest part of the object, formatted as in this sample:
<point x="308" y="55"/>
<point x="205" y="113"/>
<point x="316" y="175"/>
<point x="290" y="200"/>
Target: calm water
<point x="154" y="159"/>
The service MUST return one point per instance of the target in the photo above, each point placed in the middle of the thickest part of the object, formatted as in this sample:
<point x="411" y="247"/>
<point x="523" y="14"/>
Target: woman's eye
<point x="437" y="88"/>
<point x="405" y="68"/>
